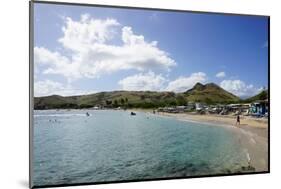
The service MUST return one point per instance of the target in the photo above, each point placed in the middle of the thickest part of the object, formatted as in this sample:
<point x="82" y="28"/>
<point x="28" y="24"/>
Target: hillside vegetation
<point x="209" y="94"/>
<point x="263" y="95"/>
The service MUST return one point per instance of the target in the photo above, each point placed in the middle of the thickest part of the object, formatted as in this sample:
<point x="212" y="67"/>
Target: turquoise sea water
<point x="109" y="145"/>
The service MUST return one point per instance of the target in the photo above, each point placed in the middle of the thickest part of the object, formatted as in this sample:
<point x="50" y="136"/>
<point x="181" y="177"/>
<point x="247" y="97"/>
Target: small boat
<point x="133" y="113"/>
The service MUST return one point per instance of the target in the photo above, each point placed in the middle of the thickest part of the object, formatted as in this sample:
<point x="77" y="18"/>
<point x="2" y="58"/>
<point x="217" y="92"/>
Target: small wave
<point x="253" y="141"/>
<point x="58" y="115"/>
<point x="248" y="156"/>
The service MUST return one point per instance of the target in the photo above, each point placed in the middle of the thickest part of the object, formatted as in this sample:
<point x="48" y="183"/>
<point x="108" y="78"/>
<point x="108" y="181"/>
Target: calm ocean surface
<point x="109" y="145"/>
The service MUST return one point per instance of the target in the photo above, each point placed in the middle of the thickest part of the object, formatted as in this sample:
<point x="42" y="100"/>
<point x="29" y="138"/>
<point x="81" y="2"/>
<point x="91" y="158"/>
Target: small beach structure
<point x="238" y="108"/>
<point x="199" y="106"/>
<point x="171" y="109"/>
<point x="180" y="109"/>
<point x="190" y="106"/>
<point x="96" y="108"/>
<point x="259" y="108"/>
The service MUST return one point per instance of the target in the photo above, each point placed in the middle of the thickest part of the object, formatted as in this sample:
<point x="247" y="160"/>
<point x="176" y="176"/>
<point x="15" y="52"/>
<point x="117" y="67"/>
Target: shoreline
<point x="251" y="134"/>
<point x="226" y="120"/>
<point x="256" y="125"/>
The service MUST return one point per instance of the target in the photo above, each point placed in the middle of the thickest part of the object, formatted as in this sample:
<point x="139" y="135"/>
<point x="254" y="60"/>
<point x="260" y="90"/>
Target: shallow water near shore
<point x="108" y="145"/>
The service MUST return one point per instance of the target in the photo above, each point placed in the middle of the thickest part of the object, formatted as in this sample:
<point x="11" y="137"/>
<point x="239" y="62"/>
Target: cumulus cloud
<point x="240" y="88"/>
<point x="220" y="75"/>
<point x="184" y="83"/>
<point x="48" y="87"/>
<point x="78" y="35"/>
<point x="143" y="82"/>
<point x="92" y="54"/>
<point x="55" y="63"/>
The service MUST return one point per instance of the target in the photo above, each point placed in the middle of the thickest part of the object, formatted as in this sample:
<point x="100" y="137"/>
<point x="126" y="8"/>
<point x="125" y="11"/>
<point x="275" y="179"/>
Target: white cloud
<point x="55" y="62"/>
<point x="184" y="83"/>
<point x="82" y="34"/>
<point x="239" y="88"/>
<point x="48" y="87"/>
<point x="91" y="55"/>
<point x="220" y="75"/>
<point x="143" y="82"/>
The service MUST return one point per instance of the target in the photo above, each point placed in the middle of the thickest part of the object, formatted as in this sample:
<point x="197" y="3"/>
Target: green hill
<point x="263" y="95"/>
<point x="55" y="101"/>
<point x="129" y="99"/>
<point x="145" y="99"/>
<point x="209" y="93"/>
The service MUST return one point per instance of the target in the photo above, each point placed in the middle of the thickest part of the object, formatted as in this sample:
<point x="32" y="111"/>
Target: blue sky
<point x="79" y="50"/>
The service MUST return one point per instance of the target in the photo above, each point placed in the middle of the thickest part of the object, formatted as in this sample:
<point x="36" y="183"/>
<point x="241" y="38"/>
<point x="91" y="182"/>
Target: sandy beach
<point x="252" y="133"/>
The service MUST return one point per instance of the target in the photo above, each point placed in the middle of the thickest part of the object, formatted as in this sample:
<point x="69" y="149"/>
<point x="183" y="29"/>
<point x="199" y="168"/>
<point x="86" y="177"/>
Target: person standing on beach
<point x="238" y="120"/>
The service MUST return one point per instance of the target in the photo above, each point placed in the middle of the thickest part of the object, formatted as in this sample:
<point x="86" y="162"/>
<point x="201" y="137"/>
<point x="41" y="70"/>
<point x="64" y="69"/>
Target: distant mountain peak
<point x="198" y="86"/>
<point x="210" y="93"/>
<point x="212" y="84"/>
